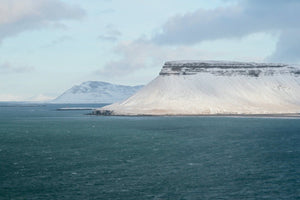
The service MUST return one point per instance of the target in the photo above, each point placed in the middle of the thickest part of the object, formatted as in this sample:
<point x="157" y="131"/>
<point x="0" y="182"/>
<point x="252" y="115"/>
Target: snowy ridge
<point x="96" y="92"/>
<point x="219" y="63"/>
<point x="275" y="89"/>
<point x="226" y="68"/>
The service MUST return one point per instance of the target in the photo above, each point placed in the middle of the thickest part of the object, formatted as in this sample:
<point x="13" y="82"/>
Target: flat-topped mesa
<point x="226" y="68"/>
<point x="215" y="87"/>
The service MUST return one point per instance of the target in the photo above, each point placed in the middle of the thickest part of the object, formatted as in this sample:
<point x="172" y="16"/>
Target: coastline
<point x="74" y="108"/>
<point x="281" y="115"/>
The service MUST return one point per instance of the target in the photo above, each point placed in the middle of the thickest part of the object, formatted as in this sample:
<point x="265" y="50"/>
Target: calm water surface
<point x="49" y="154"/>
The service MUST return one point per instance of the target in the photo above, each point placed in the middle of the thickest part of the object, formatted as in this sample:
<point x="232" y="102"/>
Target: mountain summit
<point x="96" y="92"/>
<point x="215" y="87"/>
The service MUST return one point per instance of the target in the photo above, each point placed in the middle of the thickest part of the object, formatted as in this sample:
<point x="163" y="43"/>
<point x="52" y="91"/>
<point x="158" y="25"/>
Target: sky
<point x="48" y="46"/>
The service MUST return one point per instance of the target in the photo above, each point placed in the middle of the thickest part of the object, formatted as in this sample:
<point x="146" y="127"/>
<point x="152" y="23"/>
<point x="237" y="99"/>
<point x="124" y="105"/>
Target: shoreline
<point x="74" y="108"/>
<point x="281" y="115"/>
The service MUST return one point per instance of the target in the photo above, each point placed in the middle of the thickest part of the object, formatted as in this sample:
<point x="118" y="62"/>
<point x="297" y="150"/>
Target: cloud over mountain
<point x="245" y="18"/>
<point x="185" y="31"/>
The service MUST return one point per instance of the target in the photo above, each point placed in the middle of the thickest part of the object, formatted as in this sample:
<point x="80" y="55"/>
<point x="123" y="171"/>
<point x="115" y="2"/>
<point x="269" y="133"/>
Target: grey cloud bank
<point x="180" y="33"/>
<point x="288" y="47"/>
<point x="143" y="54"/>
<point x="245" y="18"/>
<point x="18" y="16"/>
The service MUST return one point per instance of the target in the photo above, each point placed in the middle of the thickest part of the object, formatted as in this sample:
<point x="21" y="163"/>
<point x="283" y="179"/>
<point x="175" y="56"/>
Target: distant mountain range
<point x="96" y="92"/>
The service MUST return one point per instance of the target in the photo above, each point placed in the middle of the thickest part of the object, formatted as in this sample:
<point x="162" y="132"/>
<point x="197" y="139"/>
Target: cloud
<point x="17" y="16"/>
<point x="134" y="56"/>
<point x="39" y="98"/>
<point x="288" y="47"/>
<point x="142" y="54"/>
<point x="36" y="98"/>
<point x="178" y="37"/>
<point x="59" y="41"/>
<point x="247" y="17"/>
<point x="107" y="11"/>
<point x="111" y="34"/>
<point x="10" y="97"/>
<point x="8" y="68"/>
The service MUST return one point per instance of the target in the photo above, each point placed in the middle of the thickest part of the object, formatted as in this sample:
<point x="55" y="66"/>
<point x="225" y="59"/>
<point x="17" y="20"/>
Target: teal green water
<point x="49" y="154"/>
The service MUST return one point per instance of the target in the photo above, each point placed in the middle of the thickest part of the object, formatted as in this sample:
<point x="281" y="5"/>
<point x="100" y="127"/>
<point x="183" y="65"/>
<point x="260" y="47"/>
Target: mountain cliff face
<point x="212" y="87"/>
<point x="96" y="92"/>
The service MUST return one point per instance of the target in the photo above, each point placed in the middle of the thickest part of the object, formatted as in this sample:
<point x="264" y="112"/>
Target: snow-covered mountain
<point x="96" y="92"/>
<point x="215" y="87"/>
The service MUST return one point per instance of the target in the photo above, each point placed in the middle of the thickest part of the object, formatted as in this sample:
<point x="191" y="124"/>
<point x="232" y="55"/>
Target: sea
<point x="47" y="153"/>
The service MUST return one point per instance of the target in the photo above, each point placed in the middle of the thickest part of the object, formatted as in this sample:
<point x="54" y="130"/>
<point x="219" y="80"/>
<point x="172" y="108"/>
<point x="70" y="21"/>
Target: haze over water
<point x="49" y="154"/>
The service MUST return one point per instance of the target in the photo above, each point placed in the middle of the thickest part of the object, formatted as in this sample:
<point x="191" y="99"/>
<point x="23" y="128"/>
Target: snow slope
<point x="214" y="87"/>
<point x="96" y="92"/>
